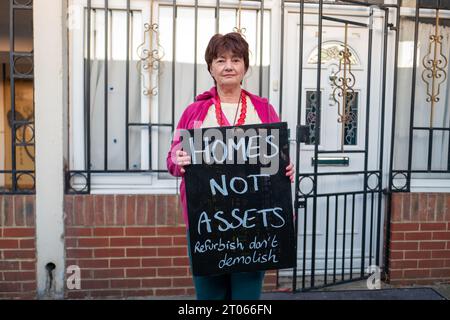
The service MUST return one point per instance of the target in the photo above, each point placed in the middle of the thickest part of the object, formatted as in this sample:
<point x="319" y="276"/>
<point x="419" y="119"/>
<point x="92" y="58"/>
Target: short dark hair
<point x="220" y="44"/>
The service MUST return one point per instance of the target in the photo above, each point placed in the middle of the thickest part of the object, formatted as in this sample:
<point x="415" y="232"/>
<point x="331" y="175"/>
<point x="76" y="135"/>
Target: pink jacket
<point x="193" y="117"/>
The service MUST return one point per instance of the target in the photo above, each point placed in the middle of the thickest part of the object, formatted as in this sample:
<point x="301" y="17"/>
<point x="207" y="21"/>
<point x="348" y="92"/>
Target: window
<point x="128" y="90"/>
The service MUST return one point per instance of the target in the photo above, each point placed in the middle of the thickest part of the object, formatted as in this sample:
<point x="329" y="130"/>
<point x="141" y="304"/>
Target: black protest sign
<point x="239" y="199"/>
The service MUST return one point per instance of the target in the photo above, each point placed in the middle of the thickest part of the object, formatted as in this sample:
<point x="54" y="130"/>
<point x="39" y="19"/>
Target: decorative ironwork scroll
<point x="238" y="27"/>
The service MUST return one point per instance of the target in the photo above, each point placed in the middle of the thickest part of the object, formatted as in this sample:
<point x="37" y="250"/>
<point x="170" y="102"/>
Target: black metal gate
<point x="349" y="218"/>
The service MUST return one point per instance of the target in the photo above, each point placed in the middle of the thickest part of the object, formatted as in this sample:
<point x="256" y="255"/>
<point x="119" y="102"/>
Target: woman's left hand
<point x="290" y="170"/>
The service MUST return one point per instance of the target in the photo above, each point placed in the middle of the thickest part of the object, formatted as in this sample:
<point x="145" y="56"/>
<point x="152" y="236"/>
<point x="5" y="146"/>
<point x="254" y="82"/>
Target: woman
<point x="226" y="104"/>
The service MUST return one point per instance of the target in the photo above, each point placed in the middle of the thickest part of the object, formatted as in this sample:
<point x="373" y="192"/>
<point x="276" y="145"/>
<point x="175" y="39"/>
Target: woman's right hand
<point x="182" y="159"/>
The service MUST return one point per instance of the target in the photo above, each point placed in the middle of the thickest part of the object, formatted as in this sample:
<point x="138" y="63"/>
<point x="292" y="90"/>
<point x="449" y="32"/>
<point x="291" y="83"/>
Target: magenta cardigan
<point x="193" y="117"/>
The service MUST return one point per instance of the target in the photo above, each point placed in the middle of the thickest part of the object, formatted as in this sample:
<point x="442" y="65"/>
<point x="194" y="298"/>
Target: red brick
<point x="171" y="231"/>
<point x="151" y="210"/>
<point x="141" y="273"/>
<point x="138" y="293"/>
<point x="29" y="210"/>
<point x="127" y="263"/>
<point x="92" y="263"/>
<point x="179" y="241"/>
<point x="447" y="206"/>
<point x="440" y="273"/>
<point x="396" y="274"/>
<point x="440" y="254"/>
<point x="120" y="209"/>
<point x="125" y="242"/>
<point x="131" y="210"/>
<point x="77" y="294"/>
<point x="99" y="232"/>
<point x="417" y="235"/>
<point x="440" y="207"/>
<point x="78" y="211"/>
<point x="19" y="211"/>
<point x="89" y="211"/>
<point x="94" y="284"/>
<point x="404" y="227"/>
<point x="93" y="242"/>
<point x="18" y="232"/>
<point x="418" y="255"/>
<point x="431" y="264"/>
<point x="157" y="262"/>
<point x="410" y="245"/>
<point x="99" y="210"/>
<point x="433" y="226"/>
<point x="109" y="210"/>
<point x="161" y="207"/>
<point x="431" y="207"/>
<point x="190" y="291"/>
<point x="172" y="272"/>
<point x="108" y="273"/>
<point x="127" y="283"/>
<point x="184" y="261"/>
<point x="29" y="286"/>
<point x="79" y="253"/>
<point x="8" y="206"/>
<point x="396" y="255"/>
<point x="172" y="210"/>
<point x="27" y="243"/>
<point x="170" y="292"/>
<point x="68" y="209"/>
<point x="395" y="236"/>
<point x="157" y="282"/>
<point x="71" y="243"/>
<point x="441" y="235"/>
<point x="141" y="210"/>
<point x="172" y="252"/>
<point x="109" y="252"/>
<point x="404" y="264"/>
<point x="406" y="207"/>
<point x="10" y="286"/>
<point x="396" y="212"/>
<point x="105" y="293"/>
<point x="418" y="273"/>
<point x="19" y="254"/>
<point x="27" y="265"/>
<point x="140" y="231"/>
<point x="19" y="276"/>
<point x="141" y="252"/>
<point x="423" y="203"/>
<point x="414" y="214"/>
<point x="9" y="265"/>
<point x="9" y="244"/>
<point x="157" y="241"/>
<point x="183" y="282"/>
<point x="430" y="245"/>
<point x="78" y="232"/>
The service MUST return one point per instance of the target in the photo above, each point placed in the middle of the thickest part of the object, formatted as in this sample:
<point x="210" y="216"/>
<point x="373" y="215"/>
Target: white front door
<point x="342" y="140"/>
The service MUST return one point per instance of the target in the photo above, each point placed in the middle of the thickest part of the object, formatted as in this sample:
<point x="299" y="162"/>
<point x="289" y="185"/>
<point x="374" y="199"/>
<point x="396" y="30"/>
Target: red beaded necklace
<point x="241" y="120"/>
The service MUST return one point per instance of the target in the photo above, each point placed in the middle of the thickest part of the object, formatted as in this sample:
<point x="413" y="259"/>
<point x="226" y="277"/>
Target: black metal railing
<point x="18" y="174"/>
<point x="426" y="138"/>
<point x="340" y="208"/>
<point x="150" y="62"/>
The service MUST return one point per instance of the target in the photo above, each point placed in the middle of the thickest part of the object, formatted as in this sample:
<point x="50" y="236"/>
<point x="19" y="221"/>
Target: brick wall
<point x="17" y="247"/>
<point x="129" y="246"/>
<point x="420" y="238"/>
